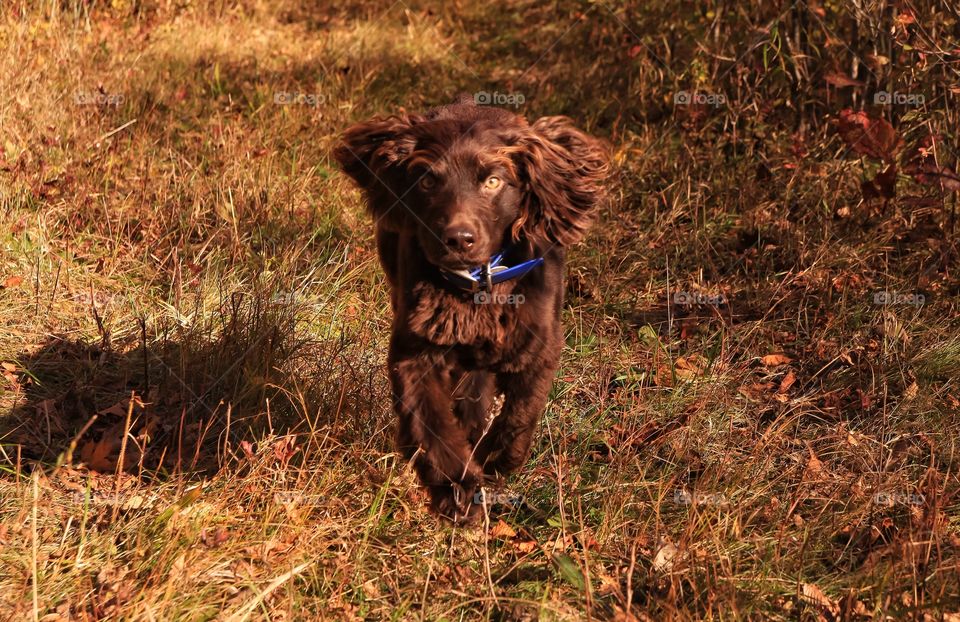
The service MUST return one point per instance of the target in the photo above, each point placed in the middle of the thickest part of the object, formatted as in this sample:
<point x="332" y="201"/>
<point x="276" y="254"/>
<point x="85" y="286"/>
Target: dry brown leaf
<point x="757" y="390"/>
<point x="814" y="465"/>
<point x="178" y="567"/>
<point x="663" y="560"/>
<point x="214" y="537"/>
<point x="527" y="546"/>
<point x="134" y="503"/>
<point x="285" y="448"/>
<point x="815" y="596"/>
<point x="840" y="80"/>
<point x="12" y="281"/>
<point x="502" y="530"/>
<point x="777" y="358"/>
<point x="869" y="136"/>
<point x="96" y="455"/>
<point x="911" y="391"/>
<point x="787" y="381"/>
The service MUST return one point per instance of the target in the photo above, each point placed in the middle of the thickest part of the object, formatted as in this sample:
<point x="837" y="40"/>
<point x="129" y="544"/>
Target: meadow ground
<point x="756" y="415"/>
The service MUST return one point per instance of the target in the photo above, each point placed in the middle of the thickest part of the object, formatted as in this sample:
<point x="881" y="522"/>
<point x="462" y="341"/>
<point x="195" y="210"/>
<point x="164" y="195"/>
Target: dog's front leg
<point x="507" y="443"/>
<point x="431" y="435"/>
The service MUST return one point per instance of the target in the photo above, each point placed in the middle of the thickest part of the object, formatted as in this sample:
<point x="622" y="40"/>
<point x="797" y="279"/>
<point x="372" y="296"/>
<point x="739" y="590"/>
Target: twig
<point x="115" y="131"/>
<point x="486" y="550"/>
<point x="146" y="359"/>
<point x="123" y="451"/>
<point x="33" y="561"/>
<point x="244" y="612"/>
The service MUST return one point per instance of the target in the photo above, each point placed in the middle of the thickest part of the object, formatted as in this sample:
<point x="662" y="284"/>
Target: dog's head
<point x="466" y="178"/>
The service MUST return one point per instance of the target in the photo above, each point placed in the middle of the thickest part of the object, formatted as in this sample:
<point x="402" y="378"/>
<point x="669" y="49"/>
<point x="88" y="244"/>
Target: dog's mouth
<point x="455" y="263"/>
<point x="451" y="260"/>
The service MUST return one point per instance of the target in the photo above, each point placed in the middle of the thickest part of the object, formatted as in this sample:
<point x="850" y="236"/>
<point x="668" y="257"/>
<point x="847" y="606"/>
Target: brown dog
<point x="473" y="209"/>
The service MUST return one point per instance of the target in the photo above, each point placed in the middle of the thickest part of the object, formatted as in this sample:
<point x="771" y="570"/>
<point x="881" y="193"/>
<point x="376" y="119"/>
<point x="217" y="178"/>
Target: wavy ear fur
<point x="565" y="171"/>
<point x="372" y="154"/>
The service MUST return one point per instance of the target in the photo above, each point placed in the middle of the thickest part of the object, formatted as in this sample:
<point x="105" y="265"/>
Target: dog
<point x="473" y="210"/>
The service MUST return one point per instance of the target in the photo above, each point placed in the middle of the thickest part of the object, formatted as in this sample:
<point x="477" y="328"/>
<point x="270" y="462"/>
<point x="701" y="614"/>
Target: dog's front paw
<point x="454" y="502"/>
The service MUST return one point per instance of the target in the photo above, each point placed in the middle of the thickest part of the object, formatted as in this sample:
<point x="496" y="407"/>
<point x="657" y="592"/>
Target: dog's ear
<point x="372" y="153"/>
<point x="565" y="172"/>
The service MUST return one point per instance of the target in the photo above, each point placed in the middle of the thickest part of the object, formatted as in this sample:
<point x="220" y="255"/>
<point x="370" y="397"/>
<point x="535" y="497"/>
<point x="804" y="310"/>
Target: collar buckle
<point x="487" y="275"/>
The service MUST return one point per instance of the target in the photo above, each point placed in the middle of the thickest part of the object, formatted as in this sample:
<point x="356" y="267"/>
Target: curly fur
<point x="450" y="355"/>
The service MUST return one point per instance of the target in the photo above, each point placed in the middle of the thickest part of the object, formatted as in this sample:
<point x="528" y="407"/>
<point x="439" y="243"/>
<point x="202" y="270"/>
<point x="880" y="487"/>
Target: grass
<point x="194" y="416"/>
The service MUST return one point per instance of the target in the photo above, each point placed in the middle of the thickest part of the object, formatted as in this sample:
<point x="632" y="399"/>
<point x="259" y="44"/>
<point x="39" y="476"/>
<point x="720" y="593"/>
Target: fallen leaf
<point x="527" y="546"/>
<point x="12" y="281"/>
<point x="133" y="503"/>
<point x="912" y="391"/>
<point x="688" y="367"/>
<point x="178" y="567"/>
<point x="772" y="360"/>
<point x="840" y="80"/>
<point x="214" y="537"/>
<point x="663" y="560"/>
<point x="285" y="448"/>
<point x="814" y="465"/>
<point x="906" y="17"/>
<point x="502" y="530"/>
<point x="96" y="454"/>
<point x="787" y="381"/>
<point x="756" y="391"/>
<point x="870" y="136"/>
<point x="815" y="596"/>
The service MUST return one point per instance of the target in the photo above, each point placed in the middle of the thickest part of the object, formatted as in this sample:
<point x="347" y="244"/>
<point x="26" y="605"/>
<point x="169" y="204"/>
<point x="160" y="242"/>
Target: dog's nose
<point x="458" y="238"/>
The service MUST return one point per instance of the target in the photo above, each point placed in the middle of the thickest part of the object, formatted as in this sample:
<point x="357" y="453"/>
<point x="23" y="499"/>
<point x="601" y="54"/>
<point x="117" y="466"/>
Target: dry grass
<point x="195" y="421"/>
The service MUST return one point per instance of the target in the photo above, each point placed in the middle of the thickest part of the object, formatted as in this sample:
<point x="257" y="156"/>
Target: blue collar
<point x="486" y="276"/>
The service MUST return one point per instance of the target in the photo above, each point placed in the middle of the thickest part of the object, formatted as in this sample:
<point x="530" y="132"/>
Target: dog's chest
<point x="486" y="320"/>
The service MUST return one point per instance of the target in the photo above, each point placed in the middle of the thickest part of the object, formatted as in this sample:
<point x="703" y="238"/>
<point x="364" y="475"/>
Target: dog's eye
<point x="427" y="182"/>
<point x="492" y="183"/>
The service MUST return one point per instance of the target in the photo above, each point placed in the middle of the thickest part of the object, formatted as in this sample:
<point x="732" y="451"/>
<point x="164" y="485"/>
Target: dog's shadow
<point x="179" y="398"/>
